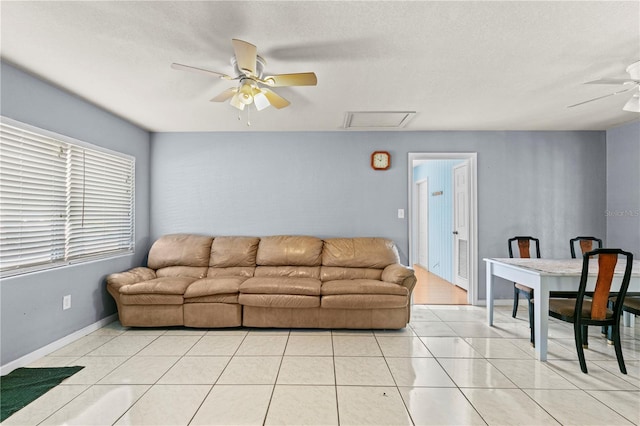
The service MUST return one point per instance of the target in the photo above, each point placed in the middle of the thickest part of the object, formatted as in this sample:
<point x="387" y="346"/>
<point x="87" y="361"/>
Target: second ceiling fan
<point x="253" y="87"/>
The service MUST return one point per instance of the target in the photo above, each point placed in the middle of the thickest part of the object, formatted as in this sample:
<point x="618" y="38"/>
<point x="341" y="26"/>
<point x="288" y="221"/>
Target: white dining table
<point x="544" y="276"/>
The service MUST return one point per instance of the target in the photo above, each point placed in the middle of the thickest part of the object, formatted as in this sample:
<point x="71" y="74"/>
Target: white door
<point x="423" y="224"/>
<point x="461" y="225"/>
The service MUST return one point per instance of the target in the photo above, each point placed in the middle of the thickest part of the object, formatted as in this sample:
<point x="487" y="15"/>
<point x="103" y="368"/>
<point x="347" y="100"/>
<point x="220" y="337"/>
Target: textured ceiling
<point x="482" y="65"/>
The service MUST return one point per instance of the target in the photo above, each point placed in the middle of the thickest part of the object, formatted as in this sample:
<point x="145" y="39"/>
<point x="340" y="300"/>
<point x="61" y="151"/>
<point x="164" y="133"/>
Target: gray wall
<point x="547" y="184"/>
<point x="623" y="188"/>
<point x="31" y="304"/>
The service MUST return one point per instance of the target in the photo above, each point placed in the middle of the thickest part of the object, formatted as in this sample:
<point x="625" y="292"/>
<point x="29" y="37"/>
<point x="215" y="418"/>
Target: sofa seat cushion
<point x="279" y="300"/>
<point x="151" y="299"/>
<point x="231" y="298"/>
<point x="281" y="285"/>
<point x="164" y="285"/>
<point x="362" y="286"/>
<point x="363" y="301"/>
<point x="212" y="286"/>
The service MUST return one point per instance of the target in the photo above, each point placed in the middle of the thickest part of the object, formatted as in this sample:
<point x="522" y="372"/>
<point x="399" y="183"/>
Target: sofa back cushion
<point x="286" y="250"/>
<point x="233" y="251"/>
<point x="374" y="253"/>
<point x="180" y="255"/>
<point x="331" y="273"/>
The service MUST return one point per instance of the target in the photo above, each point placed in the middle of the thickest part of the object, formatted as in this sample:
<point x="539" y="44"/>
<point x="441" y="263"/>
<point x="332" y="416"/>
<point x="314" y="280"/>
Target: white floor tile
<point x="167" y="405"/>
<point x="95" y="368"/>
<point x="355" y="346"/>
<point x="306" y="370"/>
<point x="371" y="405"/>
<point x="475" y="373"/>
<point x="508" y="407"/>
<point x="303" y="405"/>
<point x="531" y="374"/>
<point x="199" y="370"/>
<point x="402" y="347"/>
<point x="216" y="345"/>
<point x="473" y="329"/>
<point x="316" y="345"/>
<point x="98" y="405"/>
<point x="83" y="346"/>
<point x="596" y="379"/>
<point x="255" y="344"/>
<point x="576" y="408"/>
<point x="450" y="347"/>
<point x="362" y="371"/>
<point x="123" y="345"/>
<point x="439" y="406"/>
<point x="234" y="405"/>
<point x="496" y="348"/>
<point x="625" y="403"/>
<point x="418" y="372"/>
<point x="425" y="328"/>
<point x="169" y="345"/>
<point x="140" y="370"/>
<point x="251" y="370"/>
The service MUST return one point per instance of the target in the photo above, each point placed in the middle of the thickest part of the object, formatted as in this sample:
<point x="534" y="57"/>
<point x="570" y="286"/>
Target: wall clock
<point x="380" y="160"/>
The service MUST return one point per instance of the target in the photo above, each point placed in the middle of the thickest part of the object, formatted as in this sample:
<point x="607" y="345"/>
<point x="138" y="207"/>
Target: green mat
<point x="23" y="385"/>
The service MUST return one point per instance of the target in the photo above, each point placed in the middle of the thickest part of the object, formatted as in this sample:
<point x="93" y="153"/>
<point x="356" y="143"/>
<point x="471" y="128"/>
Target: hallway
<point x="433" y="290"/>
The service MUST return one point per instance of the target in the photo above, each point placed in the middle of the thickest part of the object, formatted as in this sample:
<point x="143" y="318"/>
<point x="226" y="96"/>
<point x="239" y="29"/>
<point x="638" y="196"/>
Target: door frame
<point x="472" y="157"/>
<point x="426" y="201"/>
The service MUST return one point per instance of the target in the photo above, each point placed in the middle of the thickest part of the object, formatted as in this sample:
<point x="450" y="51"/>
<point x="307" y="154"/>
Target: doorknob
<point x="455" y="232"/>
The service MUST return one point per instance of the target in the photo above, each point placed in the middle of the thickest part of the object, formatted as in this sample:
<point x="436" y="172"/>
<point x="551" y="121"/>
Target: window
<point x="61" y="200"/>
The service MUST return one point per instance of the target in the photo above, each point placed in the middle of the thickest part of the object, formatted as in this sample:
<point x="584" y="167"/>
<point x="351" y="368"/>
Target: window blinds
<point x="61" y="201"/>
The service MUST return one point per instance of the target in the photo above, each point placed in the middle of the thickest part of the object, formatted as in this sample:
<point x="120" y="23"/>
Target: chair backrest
<point x="586" y="244"/>
<point x="524" y="246"/>
<point x="607" y="260"/>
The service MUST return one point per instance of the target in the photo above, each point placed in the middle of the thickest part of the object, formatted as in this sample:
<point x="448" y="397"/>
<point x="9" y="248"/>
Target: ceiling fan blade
<point x="297" y="79"/>
<point x="246" y="55"/>
<point x="200" y="70"/>
<point x="274" y="99"/>
<point x="600" y="97"/>
<point x="225" y="95"/>
<point x="614" y="81"/>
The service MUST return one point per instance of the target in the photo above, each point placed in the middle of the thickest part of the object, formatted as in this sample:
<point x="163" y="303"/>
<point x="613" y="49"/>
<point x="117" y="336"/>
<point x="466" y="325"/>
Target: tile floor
<point x="446" y="368"/>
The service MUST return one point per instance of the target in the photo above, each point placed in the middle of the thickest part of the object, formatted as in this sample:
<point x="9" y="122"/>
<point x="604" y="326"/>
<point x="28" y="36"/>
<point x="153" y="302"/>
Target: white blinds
<point x="60" y="201"/>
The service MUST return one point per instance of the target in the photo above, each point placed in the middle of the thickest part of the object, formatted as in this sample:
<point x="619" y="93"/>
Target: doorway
<point x="443" y="226"/>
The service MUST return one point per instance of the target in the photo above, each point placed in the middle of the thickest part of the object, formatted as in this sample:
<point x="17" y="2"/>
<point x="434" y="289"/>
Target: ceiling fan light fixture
<point x="633" y="104"/>
<point x="236" y="102"/>
<point x="260" y="100"/>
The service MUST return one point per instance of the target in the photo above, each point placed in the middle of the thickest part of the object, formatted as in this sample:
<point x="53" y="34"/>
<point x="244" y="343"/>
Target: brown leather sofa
<point x="276" y="281"/>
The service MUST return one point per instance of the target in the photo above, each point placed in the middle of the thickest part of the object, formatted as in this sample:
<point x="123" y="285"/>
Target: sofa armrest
<point x="132" y="276"/>
<point x="397" y="274"/>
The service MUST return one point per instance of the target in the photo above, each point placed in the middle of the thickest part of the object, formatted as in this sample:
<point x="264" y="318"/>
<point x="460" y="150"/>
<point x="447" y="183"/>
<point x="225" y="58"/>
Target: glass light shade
<point x="245" y="95"/>
<point x="260" y="100"/>
<point x="235" y="102"/>
<point x="633" y="104"/>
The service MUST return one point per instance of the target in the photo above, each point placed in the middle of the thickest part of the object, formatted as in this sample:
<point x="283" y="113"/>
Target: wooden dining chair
<point x="586" y="244"/>
<point x="596" y="311"/>
<point x="524" y="251"/>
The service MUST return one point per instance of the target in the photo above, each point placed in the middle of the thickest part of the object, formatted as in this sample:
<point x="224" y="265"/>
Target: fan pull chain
<point x="249" y="116"/>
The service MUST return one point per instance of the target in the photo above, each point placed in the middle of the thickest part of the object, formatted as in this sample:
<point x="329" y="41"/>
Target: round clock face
<point x="380" y="160"/>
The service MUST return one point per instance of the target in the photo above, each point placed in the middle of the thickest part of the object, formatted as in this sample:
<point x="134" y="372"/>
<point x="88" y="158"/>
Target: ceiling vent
<point x="377" y="119"/>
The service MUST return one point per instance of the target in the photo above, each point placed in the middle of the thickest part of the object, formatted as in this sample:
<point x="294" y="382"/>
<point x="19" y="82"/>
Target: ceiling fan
<point x="632" y="83"/>
<point x="249" y="67"/>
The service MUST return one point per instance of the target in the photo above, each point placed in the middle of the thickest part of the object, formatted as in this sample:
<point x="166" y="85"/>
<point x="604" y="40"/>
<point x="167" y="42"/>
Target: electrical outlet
<point x="66" y="302"/>
<point x="400" y="213"/>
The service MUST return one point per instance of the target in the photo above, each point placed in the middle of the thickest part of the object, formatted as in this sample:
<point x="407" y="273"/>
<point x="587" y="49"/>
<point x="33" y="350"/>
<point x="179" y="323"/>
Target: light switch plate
<point x="400" y="213"/>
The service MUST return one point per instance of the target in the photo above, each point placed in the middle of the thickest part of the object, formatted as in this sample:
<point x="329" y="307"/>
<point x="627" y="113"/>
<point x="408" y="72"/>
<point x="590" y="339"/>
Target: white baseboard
<point x="54" y="346"/>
